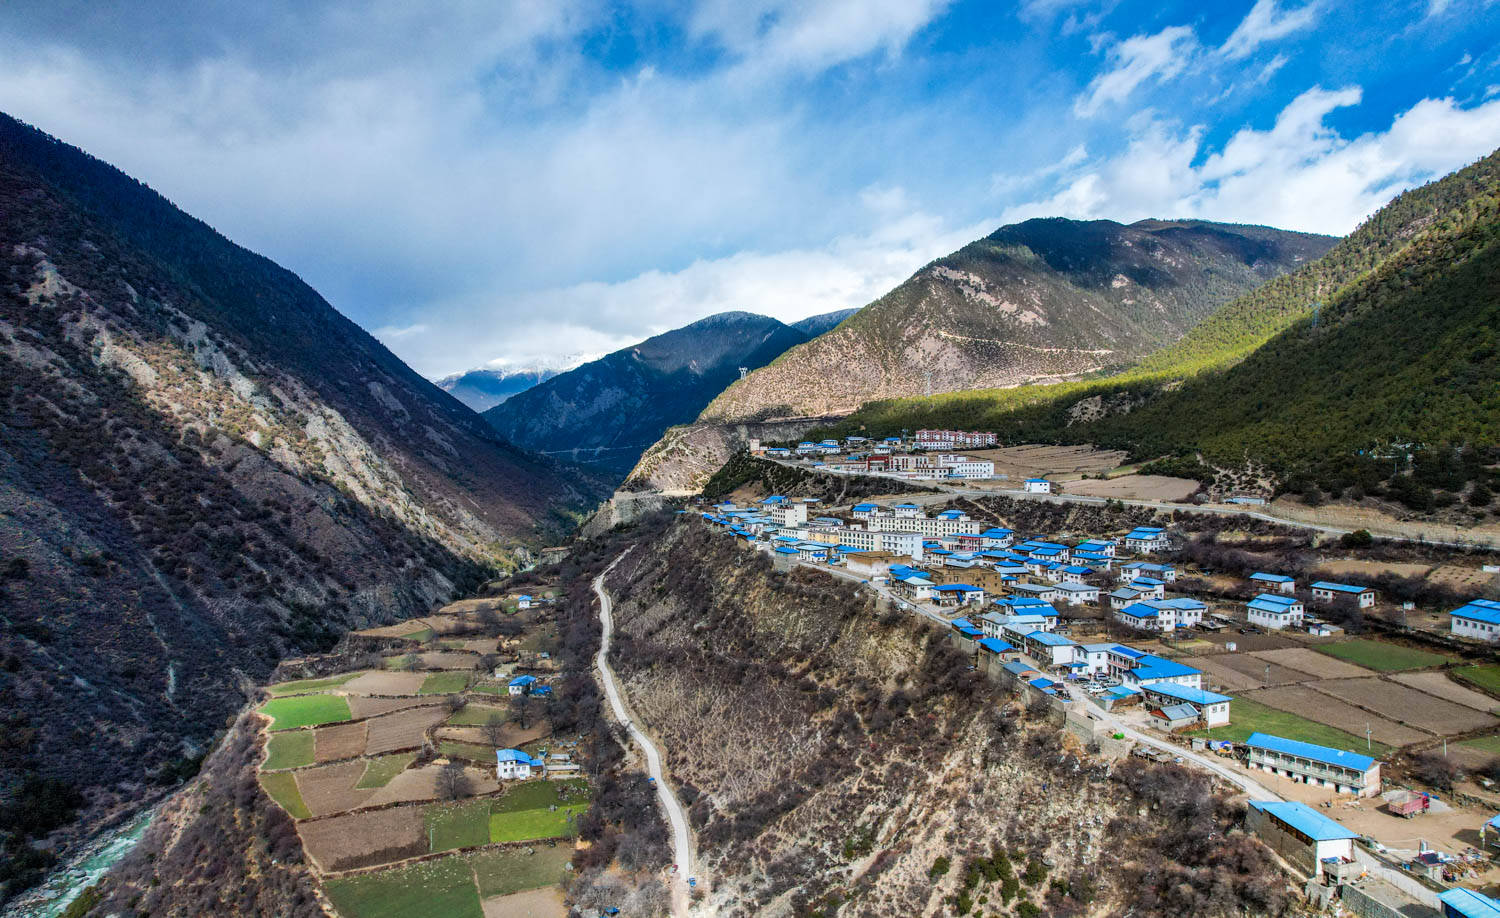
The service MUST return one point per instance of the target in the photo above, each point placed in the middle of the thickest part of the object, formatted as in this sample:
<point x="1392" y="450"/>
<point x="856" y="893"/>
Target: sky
<point x="487" y="183"/>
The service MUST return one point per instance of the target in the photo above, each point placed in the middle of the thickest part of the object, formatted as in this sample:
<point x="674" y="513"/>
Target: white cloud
<point x="801" y="35"/>
<point x="1265" y="22"/>
<point x="1136" y="60"/>
<point x="599" y="317"/>
<point x="1300" y="174"/>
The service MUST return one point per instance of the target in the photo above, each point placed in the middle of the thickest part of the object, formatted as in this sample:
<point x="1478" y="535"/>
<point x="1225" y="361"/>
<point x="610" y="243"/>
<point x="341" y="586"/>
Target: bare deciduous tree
<point x="452" y="781"/>
<point x="494" y="730"/>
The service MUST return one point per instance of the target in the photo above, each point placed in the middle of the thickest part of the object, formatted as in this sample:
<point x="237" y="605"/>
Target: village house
<point x="1146" y="539"/>
<point x="1174" y="717"/>
<point x="1077" y="594"/>
<point x="1210" y="709"/>
<point x="1127" y="596"/>
<point x="1037" y="486"/>
<point x="944" y="524"/>
<point x="1093" y="547"/>
<point x="1308" y="763"/>
<point x="514" y="764"/>
<point x="1460" y="902"/>
<point x="967" y="629"/>
<point x="1299" y="833"/>
<point x="784" y="558"/>
<point x="1074" y="573"/>
<point x="521" y="685"/>
<point x="871" y="563"/>
<point x="1328" y="593"/>
<point x="1132" y="570"/>
<point x="914" y="588"/>
<point x="994" y="647"/>
<point x="1162" y="614"/>
<point x="865" y="511"/>
<point x="1276" y="583"/>
<point x="958" y="594"/>
<point x="1479" y="618"/>
<point x="1045" y="592"/>
<point x="523" y="601"/>
<point x="998" y="537"/>
<point x="1275" y="611"/>
<point x="1050" y="649"/>
<point x="1149" y="587"/>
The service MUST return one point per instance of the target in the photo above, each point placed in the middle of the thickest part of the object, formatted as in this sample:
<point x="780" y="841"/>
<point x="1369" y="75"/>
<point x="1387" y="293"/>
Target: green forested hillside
<point x="1387" y="338"/>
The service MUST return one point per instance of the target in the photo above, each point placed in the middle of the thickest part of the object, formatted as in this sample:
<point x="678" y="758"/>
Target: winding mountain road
<point x="682" y="841"/>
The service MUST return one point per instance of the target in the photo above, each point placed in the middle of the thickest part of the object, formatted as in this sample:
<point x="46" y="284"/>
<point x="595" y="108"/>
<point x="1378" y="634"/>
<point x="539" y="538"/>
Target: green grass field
<point x="445" y="683"/>
<point x="508" y="870"/>
<point x="1486" y="677"/>
<point x="1247" y="717"/>
<point x="379" y="772"/>
<point x="522" y="813"/>
<point x="490" y="688"/>
<point x="1488" y="744"/>
<point x="533" y="795"/>
<point x="282" y="787"/>
<point x="476" y="715"/>
<point x="439" y="887"/>
<point x="453" y="749"/>
<point x="289" y="750"/>
<point x="460" y="825"/>
<point x="1386" y="658"/>
<point x="305" y="711"/>
<point x="309" y="685"/>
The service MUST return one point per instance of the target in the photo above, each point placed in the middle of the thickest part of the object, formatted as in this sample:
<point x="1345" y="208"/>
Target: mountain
<point x="205" y="468"/>
<point x="607" y="412"/>
<point x="813" y="326"/>
<point x="1041" y="300"/>
<point x="484" y="389"/>
<point x="1388" y="338"/>
<point x="1038" y="300"/>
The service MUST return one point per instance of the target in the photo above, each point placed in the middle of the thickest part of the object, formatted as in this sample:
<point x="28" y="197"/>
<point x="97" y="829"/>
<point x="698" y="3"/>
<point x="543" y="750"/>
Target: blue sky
<point x="483" y="183"/>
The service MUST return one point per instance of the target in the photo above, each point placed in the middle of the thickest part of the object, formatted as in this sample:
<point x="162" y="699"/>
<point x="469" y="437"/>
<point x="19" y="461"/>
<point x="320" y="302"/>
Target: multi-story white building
<point x="953" y="439"/>
<point x="1479" y="618"/>
<point x="931" y="527"/>
<point x="1161" y="614"/>
<point x="1275" y="611"/>
<point x="1343" y="771"/>
<point x="1146" y="538"/>
<point x="1329" y="593"/>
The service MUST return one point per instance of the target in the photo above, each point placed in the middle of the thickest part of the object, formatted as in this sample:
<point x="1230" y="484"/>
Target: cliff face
<point x="838" y="756"/>
<point x="205" y="468"/>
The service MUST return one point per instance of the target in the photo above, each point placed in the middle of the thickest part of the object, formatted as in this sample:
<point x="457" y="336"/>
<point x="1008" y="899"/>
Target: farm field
<point x="477" y="715"/>
<point x="1440" y="685"/>
<point x="1407" y="705"/>
<point x="340" y="741"/>
<point x="365" y="839"/>
<point x="330" y="789"/>
<point x="1224" y="677"/>
<point x="1137" y="487"/>
<point x="504" y="871"/>
<point x="401" y="730"/>
<point x="1316" y="665"/>
<point x="1488" y="744"/>
<point x="450" y="660"/>
<point x="309" y="685"/>
<point x="1337" y="714"/>
<point x="282" y="788"/>
<point x="418" y="785"/>
<point x="471" y="752"/>
<point x="1248" y="716"/>
<point x="380" y="771"/>
<point x="385" y="683"/>
<point x="291" y="749"/>
<point x="1486" y="676"/>
<point x="373" y="707"/>
<point x="525" y="825"/>
<point x="546" y="902"/>
<point x="1264" y="671"/>
<point x="1381" y="656"/>
<point x="461" y="825"/>
<point x="444" y="683"/>
<point x="440" y="887"/>
<point x="305" y="711"/>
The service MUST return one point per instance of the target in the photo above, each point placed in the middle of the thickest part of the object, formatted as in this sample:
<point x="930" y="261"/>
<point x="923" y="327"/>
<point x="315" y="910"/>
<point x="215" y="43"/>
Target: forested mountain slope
<point x="1038" y="300"/>
<point x="607" y="412"/>
<point x="203" y="468"/>
<point x="1390" y="337"/>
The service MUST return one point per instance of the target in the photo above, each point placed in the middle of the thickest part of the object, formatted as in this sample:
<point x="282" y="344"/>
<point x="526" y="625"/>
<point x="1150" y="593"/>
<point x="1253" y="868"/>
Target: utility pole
<point x="1371" y="748"/>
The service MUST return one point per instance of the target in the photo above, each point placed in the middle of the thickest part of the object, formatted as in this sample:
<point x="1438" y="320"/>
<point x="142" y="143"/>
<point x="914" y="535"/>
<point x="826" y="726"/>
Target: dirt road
<point x="682" y="842"/>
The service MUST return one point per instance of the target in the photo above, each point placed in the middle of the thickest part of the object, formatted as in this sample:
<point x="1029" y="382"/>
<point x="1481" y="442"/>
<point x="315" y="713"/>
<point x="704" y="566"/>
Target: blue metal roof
<point x="1187" y="693"/>
<point x="787" y="550"/>
<point x="1260" y="604"/>
<point x="1479" y="610"/>
<point x="1271" y="578"/>
<point x="995" y="645"/>
<point x="1153" y="667"/>
<point x="1016" y="667"/>
<point x="1312" y="751"/>
<point x="970" y="632"/>
<point x="1339" y="587"/>
<point x="961" y="623"/>
<point x="1304" y="819"/>
<point x="522" y="680"/>
<point x="1048" y="639"/>
<point x="1466" y="903"/>
<point x="1139" y="610"/>
<point x="959" y="587"/>
<point x="516" y="755"/>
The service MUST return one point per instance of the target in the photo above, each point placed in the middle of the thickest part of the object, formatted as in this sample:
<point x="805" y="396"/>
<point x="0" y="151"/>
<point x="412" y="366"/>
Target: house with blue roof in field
<point x="1275" y="611"/>
<point x="1149" y="669"/>
<point x="1479" y="618"/>
<point x="1147" y="539"/>
<point x="1210" y="709"/>
<point x="520" y="685"/>
<point x="1348" y="595"/>
<point x="1304" y="837"/>
<point x="1275" y="583"/>
<point x="1460" y="902"/>
<point x="513" y="764"/>
<point x="1340" y="770"/>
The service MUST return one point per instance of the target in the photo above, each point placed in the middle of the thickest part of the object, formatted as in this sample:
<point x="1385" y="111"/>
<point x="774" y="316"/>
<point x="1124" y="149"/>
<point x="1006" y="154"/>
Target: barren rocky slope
<point x="203" y="468"/>
<point x="840" y="758"/>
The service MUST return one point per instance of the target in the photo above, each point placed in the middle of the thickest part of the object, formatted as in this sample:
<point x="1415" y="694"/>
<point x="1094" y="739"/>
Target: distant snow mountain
<point x="486" y="387"/>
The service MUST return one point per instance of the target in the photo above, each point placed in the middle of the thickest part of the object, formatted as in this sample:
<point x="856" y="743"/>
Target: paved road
<point x="682" y="841"/>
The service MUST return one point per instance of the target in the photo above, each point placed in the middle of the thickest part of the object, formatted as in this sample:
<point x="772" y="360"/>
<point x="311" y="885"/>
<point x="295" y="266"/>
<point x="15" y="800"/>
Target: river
<point x="70" y="879"/>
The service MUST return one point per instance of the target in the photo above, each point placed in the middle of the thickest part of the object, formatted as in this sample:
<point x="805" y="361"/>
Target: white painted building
<point x="1275" y="583"/>
<point x="933" y="527"/>
<point x="1478" y="619"/>
<point x="1321" y="766"/>
<point x="1275" y="611"/>
<point x="1037" y="486"/>
<point x="1077" y="594"/>
<point x="1329" y="593"/>
<point x="1146" y="539"/>
<point x="513" y="764"/>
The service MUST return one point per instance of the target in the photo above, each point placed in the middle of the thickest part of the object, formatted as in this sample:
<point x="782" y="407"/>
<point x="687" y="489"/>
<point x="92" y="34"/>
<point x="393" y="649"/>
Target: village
<point x="1369" y="757"/>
